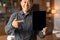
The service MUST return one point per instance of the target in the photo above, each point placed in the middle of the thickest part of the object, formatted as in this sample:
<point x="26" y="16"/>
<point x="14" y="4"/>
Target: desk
<point x="3" y="37"/>
<point x="48" y="37"/>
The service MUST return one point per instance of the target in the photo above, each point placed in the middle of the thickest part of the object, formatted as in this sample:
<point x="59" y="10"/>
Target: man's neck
<point x="25" y="12"/>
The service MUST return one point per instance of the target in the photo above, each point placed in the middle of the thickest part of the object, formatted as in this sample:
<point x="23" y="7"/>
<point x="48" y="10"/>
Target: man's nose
<point x="26" y="4"/>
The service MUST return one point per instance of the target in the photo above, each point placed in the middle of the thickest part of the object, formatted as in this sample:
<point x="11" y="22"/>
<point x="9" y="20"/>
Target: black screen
<point x="39" y="20"/>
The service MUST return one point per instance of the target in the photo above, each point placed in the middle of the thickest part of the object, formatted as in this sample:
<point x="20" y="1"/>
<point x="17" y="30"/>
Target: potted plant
<point x="4" y="2"/>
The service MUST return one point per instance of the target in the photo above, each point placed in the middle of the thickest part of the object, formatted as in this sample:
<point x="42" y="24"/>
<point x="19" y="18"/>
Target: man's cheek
<point x="23" y="7"/>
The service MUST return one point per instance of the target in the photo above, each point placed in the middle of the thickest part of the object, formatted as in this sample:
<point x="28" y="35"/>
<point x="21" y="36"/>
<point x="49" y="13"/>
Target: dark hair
<point x="30" y="0"/>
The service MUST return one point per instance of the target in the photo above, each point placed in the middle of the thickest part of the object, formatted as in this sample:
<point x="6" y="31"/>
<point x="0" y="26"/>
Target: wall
<point x="42" y="4"/>
<point x="57" y="15"/>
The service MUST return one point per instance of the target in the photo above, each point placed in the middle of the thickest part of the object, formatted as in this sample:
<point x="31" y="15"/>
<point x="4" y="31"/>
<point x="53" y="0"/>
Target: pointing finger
<point x="20" y="21"/>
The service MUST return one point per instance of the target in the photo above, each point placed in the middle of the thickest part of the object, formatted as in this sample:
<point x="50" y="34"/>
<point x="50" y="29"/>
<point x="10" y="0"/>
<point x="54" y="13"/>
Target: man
<point x="21" y="23"/>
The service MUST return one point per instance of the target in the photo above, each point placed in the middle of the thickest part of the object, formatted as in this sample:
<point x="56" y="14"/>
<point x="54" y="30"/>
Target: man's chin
<point x="27" y="10"/>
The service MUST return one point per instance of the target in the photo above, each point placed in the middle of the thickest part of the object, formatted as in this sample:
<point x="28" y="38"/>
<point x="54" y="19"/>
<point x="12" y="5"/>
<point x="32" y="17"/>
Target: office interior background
<point x="52" y="8"/>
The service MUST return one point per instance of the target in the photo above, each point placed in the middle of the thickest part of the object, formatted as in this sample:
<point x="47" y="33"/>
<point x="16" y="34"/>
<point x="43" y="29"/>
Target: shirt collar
<point x="29" y="13"/>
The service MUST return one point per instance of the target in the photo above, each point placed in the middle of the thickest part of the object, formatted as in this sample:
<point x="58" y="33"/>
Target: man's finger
<point x="15" y="19"/>
<point x="45" y="28"/>
<point x="20" y="21"/>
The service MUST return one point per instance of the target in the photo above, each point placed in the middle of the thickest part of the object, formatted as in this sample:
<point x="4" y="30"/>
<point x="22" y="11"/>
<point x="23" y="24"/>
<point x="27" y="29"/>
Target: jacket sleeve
<point x="8" y="28"/>
<point x="40" y="34"/>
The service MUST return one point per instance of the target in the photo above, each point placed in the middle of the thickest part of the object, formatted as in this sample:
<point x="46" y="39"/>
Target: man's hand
<point x="16" y="22"/>
<point x="44" y="30"/>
